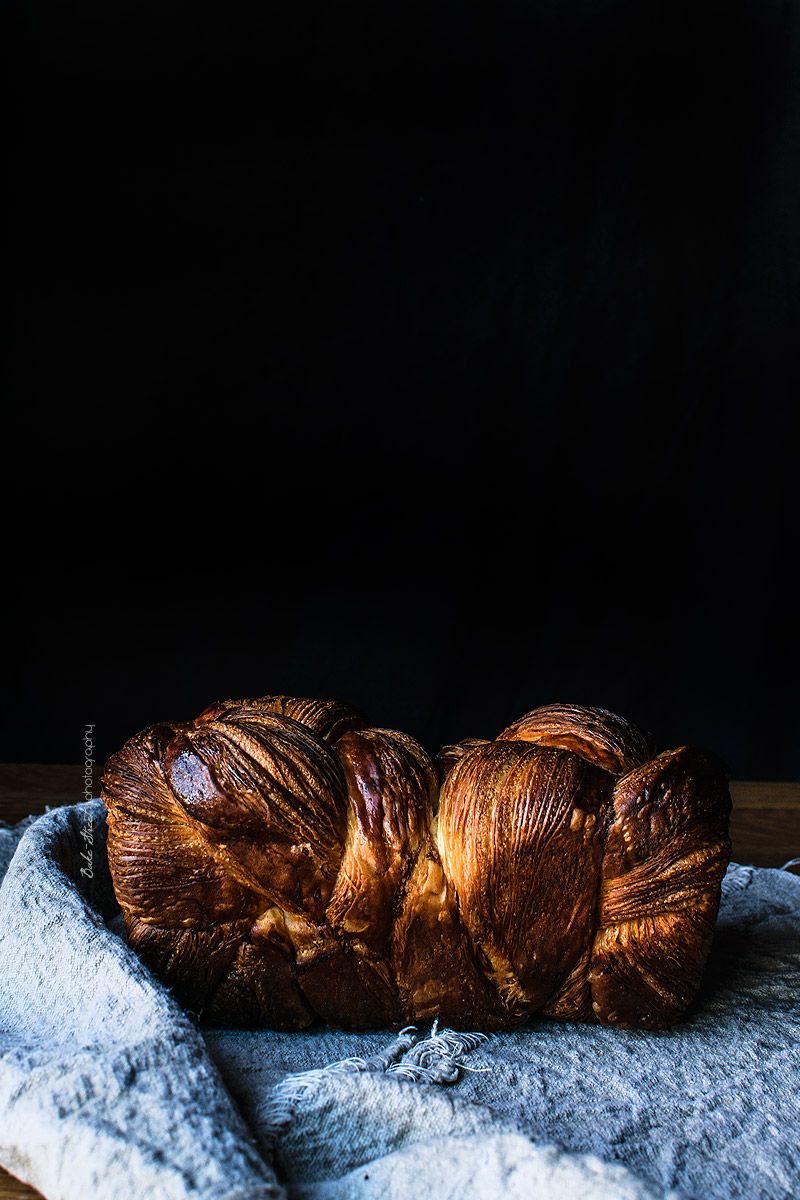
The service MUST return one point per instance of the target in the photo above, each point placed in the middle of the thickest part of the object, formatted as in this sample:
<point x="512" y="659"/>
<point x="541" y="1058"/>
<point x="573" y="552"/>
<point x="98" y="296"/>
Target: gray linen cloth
<point x="109" y="1090"/>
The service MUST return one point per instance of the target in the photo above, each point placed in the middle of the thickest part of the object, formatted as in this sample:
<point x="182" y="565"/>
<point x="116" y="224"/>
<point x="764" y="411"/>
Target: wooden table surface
<point x="765" y="832"/>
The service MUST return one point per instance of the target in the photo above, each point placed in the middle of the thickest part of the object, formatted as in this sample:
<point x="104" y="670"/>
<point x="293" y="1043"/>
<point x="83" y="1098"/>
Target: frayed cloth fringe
<point x="438" y="1058"/>
<point x="435" y="1059"/>
<point x="736" y="878"/>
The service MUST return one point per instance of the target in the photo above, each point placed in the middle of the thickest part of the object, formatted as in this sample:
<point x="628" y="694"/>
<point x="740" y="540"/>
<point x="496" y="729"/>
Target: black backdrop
<point x="436" y="357"/>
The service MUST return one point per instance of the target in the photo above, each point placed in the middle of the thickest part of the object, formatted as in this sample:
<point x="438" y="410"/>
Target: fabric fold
<point x="106" y="1088"/>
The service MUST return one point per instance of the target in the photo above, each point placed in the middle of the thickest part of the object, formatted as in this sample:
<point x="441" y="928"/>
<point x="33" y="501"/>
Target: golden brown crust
<point x="448" y="756"/>
<point x="328" y="719"/>
<point x="390" y="786"/>
<point x="433" y="957"/>
<point x="666" y="854"/>
<point x="521" y="832"/>
<point x="277" y="860"/>
<point x="215" y="823"/>
<point x="259" y="988"/>
<point x="599" y="736"/>
<point x="162" y="870"/>
<point x="264" y="790"/>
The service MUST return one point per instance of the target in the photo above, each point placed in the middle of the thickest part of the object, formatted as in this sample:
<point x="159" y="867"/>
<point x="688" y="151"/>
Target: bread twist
<point x="277" y="860"/>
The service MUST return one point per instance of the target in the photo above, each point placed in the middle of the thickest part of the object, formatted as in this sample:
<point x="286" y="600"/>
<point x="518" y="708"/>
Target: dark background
<point x="440" y="358"/>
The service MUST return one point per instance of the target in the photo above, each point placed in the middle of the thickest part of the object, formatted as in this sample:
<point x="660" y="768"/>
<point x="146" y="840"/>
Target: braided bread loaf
<point x="277" y="860"/>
